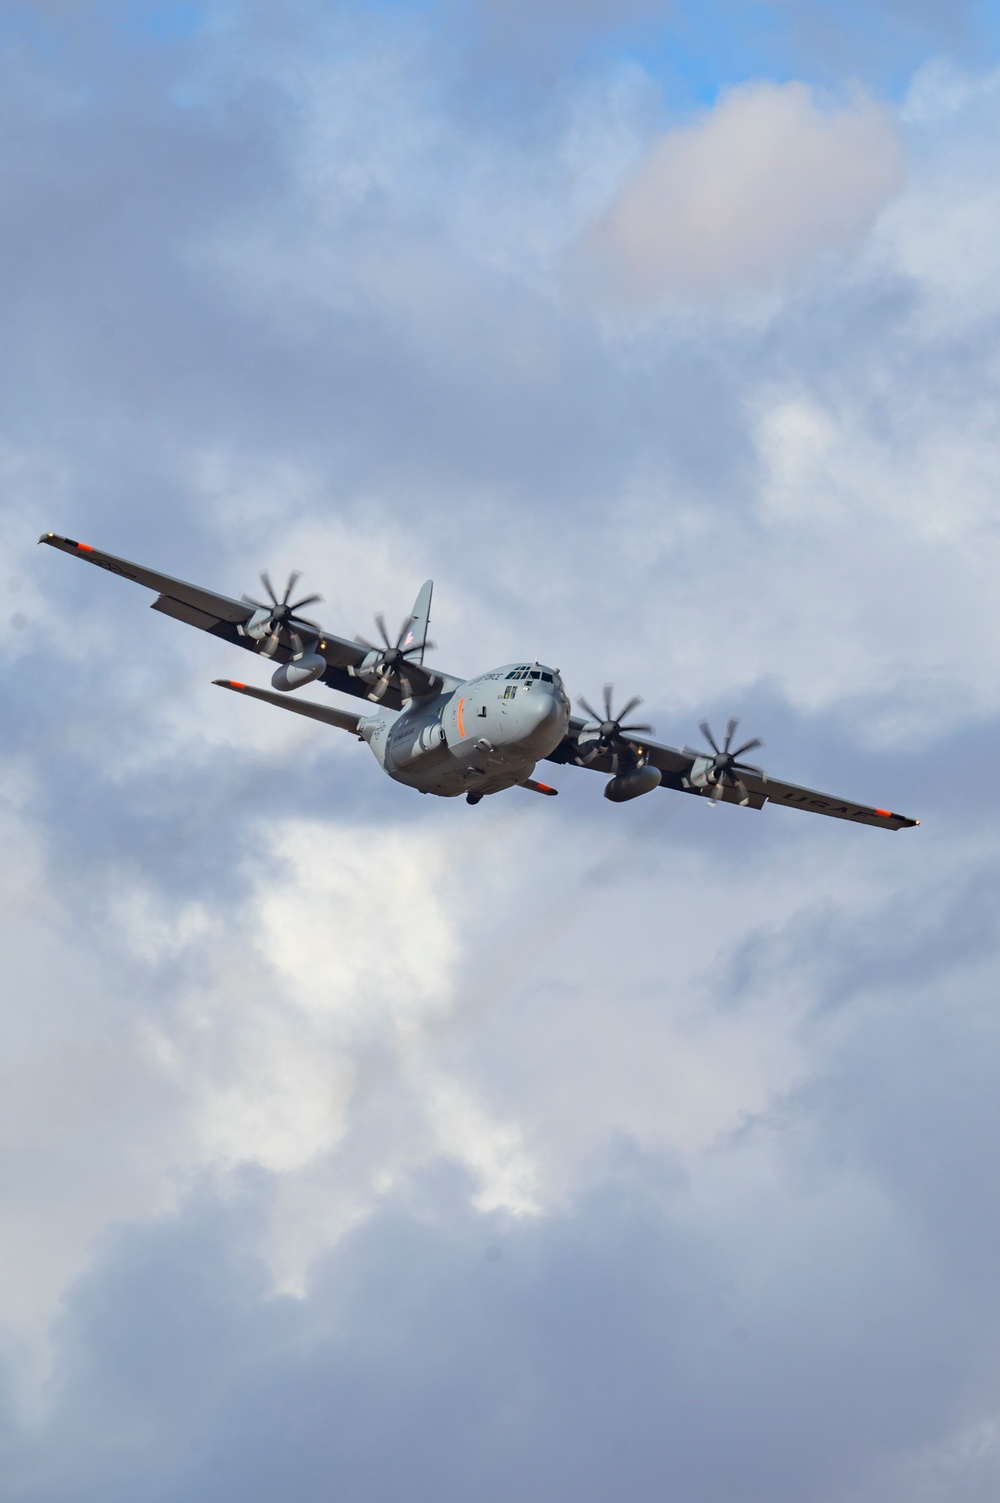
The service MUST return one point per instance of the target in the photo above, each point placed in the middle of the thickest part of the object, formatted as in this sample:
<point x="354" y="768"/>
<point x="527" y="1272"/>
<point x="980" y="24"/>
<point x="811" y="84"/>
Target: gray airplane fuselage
<point x="475" y="737"/>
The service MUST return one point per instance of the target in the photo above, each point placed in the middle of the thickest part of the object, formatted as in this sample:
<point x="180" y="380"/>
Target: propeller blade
<point x="270" y="646"/>
<point x="402" y="633"/>
<point x="627" y="709"/>
<point x="265" y="580"/>
<point x="589" y="709"/>
<point x="609" y="690"/>
<point x="306" y="600"/>
<point x="719" y="791"/>
<point x="293" y="580"/>
<point x="757" y="772"/>
<point x="744" y="795"/>
<point x="380" y="623"/>
<point x="748" y="746"/>
<point x="297" y="647"/>
<point x="703" y="726"/>
<point x="257" y="604"/>
<point x="363" y="642"/>
<point x="646" y="729"/>
<point x="731" y="731"/>
<point x="422" y="681"/>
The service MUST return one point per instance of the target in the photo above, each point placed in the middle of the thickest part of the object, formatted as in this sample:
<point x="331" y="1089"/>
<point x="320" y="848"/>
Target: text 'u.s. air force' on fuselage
<point x="447" y="735"/>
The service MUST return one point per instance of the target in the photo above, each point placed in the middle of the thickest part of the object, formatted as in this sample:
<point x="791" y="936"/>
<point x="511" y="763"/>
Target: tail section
<point x="415" y="642"/>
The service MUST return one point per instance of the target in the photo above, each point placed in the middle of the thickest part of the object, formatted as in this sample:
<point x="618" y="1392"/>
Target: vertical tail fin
<point x="415" y="639"/>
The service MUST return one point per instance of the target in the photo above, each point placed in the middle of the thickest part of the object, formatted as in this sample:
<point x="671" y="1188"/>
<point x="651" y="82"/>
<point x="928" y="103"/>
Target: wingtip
<point x="228" y="683"/>
<point x="47" y="537"/>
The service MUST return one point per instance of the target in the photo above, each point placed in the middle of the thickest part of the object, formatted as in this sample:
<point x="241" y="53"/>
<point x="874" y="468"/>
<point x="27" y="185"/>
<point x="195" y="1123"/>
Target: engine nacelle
<point x="299" y="671"/>
<point x="631" y="784"/>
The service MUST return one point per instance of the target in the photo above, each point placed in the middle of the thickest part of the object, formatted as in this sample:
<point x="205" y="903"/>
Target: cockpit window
<point x="524" y="672"/>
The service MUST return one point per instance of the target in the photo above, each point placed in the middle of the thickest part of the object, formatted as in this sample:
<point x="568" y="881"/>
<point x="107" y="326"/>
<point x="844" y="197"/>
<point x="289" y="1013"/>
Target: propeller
<point x="392" y="660"/>
<point x="281" y="615"/>
<point x="725" y="767"/>
<point x="606" y="732"/>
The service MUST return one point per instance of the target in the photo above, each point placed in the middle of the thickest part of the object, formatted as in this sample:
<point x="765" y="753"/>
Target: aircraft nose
<point x="544" y="718"/>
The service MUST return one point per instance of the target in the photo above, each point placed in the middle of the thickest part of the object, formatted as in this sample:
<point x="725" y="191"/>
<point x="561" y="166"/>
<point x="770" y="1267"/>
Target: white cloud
<point x="770" y="179"/>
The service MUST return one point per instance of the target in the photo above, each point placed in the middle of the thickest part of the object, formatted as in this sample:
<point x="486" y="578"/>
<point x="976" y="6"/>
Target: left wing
<point x="794" y="797"/>
<point x="677" y="767"/>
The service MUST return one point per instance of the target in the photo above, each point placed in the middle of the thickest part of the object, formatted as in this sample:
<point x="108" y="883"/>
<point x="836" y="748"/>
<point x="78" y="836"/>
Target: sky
<point x="362" y="1146"/>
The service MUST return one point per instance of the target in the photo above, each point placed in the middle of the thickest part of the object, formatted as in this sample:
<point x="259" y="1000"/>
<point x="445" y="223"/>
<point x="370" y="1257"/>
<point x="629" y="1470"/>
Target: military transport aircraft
<point x="446" y="735"/>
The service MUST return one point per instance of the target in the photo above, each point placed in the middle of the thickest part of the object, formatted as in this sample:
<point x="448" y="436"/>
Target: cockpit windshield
<point x="528" y="674"/>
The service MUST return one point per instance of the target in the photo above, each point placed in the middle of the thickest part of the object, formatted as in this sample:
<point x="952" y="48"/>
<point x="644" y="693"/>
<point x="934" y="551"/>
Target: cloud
<point x="361" y="1139"/>
<point x="771" y="179"/>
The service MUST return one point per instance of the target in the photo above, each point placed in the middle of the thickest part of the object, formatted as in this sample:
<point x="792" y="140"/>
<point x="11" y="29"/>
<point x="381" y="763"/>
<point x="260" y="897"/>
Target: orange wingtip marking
<point x="461" y="724"/>
<point x="234" y="683"/>
<point x="885" y="813"/>
<point x="85" y="548"/>
<point x="544" y="788"/>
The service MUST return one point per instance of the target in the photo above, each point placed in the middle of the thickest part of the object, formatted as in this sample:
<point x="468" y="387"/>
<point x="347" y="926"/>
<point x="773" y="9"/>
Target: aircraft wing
<point x="676" y="767"/>
<point x="793" y="797"/>
<point x="223" y="617"/>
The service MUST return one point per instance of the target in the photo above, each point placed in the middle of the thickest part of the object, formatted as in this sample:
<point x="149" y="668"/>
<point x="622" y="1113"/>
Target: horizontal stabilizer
<point x="344" y="720"/>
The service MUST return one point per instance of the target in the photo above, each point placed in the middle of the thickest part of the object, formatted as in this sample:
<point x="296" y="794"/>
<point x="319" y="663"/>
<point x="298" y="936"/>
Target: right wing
<point x="222" y="617"/>
<point x="189" y="603"/>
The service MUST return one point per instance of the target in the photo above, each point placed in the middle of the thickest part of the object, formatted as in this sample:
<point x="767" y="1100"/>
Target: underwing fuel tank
<point x="631" y="784"/>
<point x="299" y="671"/>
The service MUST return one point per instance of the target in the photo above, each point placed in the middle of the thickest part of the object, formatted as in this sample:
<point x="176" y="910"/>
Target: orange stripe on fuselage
<point x="461" y="725"/>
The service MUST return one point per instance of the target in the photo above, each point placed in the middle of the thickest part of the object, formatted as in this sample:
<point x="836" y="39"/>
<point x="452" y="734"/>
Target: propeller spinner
<point x="269" y="621"/>
<point x="724" y="767"/>
<point x="606" y="733"/>
<point x="388" y="664"/>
